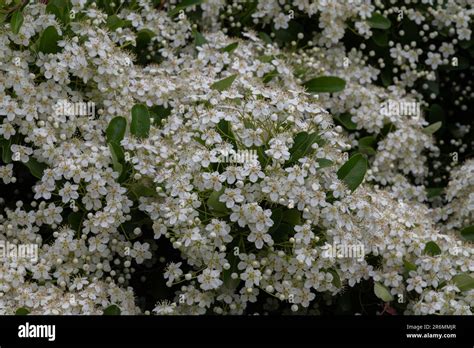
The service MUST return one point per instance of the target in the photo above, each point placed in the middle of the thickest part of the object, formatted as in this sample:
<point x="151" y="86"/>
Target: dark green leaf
<point x="114" y="22"/>
<point x="36" y="168"/>
<point x="291" y="216"/>
<point x="140" y="190"/>
<point x="377" y="21"/>
<point x="432" y="249"/>
<point x="144" y="36"/>
<point x="302" y="146"/>
<point x="324" y="162"/>
<point x="199" y="40"/>
<point x="436" y="113"/>
<point x="386" y="77"/>
<point x="117" y="157"/>
<point x="346" y="120"/>
<point x="225" y="129"/>
<point x="6" y="150"/>
<point x="265" y="38"/>
<point x="283" y="232"/>
<point x="380" y="37"/>
<point x="112" y="310"/>
<point x="74" y="220"/>
<point x="140" y="126"/>
<point x="61" y="9"/>
<point x="159" y="113"/>
<point x="325" y="84"/>
<point x="366" y="145"/>
<point x="116" y="129"/>
<point x="468" y="233"/>
<point x="434" y="191"/>
<point x="276" y="217"/>
<point x="270" y="76"/>
<point x="49" y="40"/>
<point x="22" y="311"/>
<point x="353" y="171"/>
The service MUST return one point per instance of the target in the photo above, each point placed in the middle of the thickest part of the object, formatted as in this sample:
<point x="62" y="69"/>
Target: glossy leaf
<point x="116" y="129"/>
<point x="140" y="126"/>
<point x="325" y="84"/>
<point x="353" y="171"/>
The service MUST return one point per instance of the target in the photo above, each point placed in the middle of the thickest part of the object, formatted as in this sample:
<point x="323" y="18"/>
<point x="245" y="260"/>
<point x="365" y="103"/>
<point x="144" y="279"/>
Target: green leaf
<point x="265" y="58"/>
<point x="74" y="220"/>
<point x="112" y="310"/>
<point x="382" y="292"/>
<point x="225" y="129"/>
<point x="49" y="40"/>
<point x="302" y="146"/>
<point x="199" y="39"/>
<point x="114" y="22"/>
<point x="270" y="76"/>
<point x="380" y="37"/>
<point x="432" y="249"/>
<point x="36" y="168"/>
<point x="433" y="86"/>
<point x="436" y="113"/>
<point x="346" y="121"/>
<point x="215" y="206"/>
<point x="291" y="216"/>
<point x="144" y="36"/>
<point x="432" y="128"/>
<point x="22" y="311"/>
<point x="223" y="84"/>
<point x="336" y="280"/>
<point x="324" y="162"/>
<point x="265" y="38"/>
<point x="276" y="217"/>
<point x="409" y="266"/>
<point x="182" y="5"/>
<point x="468" y="233"/>
<point x="16" y="21"/>
<point x="230" y="48"/>
<point x="432" y="192"/>
<point x="377" y="21"/>
<point x="282" y="232"/>
<point x="61" y="9"/>
<point x="325" y="84"/>
<point x="464" y="282"/>
<point x="226" y="273"/>
<point x="6" y="150"/>
<point x="117" y="157"/>
<point x="116" y="129"/>
<point x="140" y="190"/>
<point x="140" y="126"/>
<point x="386" y="77"/>
<point x="353" y="171"/>
<point x="367" y="144"/>
<point x="159" y="113"/>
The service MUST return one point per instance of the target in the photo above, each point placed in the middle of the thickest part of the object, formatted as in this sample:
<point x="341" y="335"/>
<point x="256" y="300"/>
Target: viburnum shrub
<point x="156" y="168"/>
